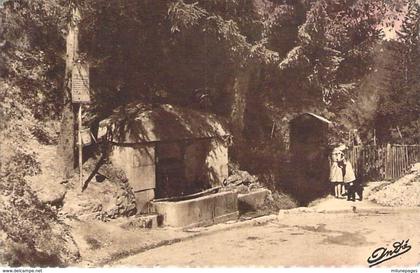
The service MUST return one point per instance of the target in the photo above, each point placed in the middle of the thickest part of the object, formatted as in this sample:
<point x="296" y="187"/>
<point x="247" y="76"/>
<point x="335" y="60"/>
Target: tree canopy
<point x="255" y="62"/>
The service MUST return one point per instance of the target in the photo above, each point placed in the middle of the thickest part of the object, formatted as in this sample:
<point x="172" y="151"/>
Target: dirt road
<point x="305" y="239"/>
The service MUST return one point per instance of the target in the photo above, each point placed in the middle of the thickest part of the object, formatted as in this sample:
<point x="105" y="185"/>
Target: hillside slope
<point x="30" y="233"/>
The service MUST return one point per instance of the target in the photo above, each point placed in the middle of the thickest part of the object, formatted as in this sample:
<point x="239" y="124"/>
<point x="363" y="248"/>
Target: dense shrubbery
<point x="33" y="235"/>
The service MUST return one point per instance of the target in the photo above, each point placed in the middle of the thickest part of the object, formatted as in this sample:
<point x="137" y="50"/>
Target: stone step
<point x="142" y="221"/>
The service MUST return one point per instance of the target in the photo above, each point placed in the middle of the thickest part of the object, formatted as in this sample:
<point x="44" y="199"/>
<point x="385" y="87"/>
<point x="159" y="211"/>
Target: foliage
<point x="314" y="53"/>
<point x="256" y="62"/>
<point x="32" y="48"/>
<point x="336" y="37"/>
<point x="397" y="118"/>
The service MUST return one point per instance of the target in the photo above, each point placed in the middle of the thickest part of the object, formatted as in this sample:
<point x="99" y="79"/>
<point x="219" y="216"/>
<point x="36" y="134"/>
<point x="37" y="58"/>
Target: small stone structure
<point x="309" y="156"/>
<point x="166" y="151"/>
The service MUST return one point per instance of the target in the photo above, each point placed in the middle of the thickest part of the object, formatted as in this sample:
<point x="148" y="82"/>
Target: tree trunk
<point x="240" y="87"/>
<point x="66" y="144"/>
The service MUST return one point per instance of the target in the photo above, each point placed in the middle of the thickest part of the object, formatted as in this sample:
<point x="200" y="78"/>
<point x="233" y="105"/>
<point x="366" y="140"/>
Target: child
<point x="336" y="173"/>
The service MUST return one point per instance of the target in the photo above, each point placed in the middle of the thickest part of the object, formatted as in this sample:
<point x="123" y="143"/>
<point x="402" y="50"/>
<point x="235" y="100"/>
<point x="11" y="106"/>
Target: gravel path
<point x="305" y="239"/>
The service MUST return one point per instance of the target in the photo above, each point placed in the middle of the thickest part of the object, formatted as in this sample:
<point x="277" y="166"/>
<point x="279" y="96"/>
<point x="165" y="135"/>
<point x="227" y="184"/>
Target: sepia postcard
<point x="236" y="134"/>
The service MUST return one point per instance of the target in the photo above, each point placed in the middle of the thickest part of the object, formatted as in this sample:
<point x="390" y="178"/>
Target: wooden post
<point x="387" y="161"/>
<point x="398" y="161"/>
<point x="79" y="136"/>
<point x="374" y="137"/>
<point x="399" y="132"/>
<point x="394" y="160"/>
<point x="394" y="166"/>
<point x="272" y="130"/>
<point x="79" y="81"/>
<point x="404" y="159"/>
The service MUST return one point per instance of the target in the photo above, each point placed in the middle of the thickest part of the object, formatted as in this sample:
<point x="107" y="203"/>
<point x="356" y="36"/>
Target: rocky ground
<point x="403" y="192"/>
<point x="30" y="232"/>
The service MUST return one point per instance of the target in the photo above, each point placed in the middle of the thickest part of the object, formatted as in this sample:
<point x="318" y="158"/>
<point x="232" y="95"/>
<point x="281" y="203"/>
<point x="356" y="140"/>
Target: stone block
<point x="142" y="221"/>
<point x="252" y="201"/>
<point x="143" y="199"/>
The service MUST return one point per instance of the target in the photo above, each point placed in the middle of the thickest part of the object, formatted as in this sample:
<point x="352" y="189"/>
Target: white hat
<point x="342" y="147"/>
<point x="337" y="151"/>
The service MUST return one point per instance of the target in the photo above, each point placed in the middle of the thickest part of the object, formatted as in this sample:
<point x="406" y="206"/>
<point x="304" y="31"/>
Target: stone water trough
<point x="201" y="211"/>
<point x="209" y="209"/>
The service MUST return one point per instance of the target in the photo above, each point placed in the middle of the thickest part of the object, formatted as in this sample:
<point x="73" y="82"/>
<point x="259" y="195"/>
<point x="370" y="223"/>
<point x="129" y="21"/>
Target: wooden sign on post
<point x="80" y="95"/>
<point x="80" y="83"/>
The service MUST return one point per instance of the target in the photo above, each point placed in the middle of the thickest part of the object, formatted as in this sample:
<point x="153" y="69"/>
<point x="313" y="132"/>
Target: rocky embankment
<point x="30" y="232"/>
<point x="404" y="192"/>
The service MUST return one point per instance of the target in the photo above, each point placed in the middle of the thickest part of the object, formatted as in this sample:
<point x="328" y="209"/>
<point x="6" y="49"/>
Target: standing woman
<point x="336" y="173"/>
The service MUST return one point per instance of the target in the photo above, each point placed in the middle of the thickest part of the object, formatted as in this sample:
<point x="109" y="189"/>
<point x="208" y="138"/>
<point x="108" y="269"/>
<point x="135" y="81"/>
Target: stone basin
<point x="206" y="210"/>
